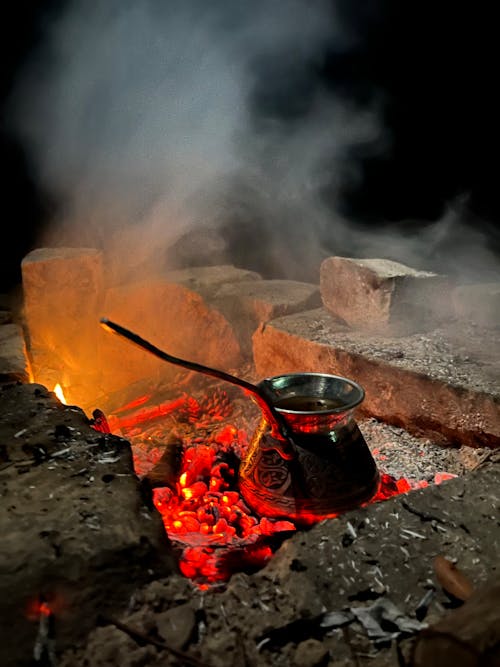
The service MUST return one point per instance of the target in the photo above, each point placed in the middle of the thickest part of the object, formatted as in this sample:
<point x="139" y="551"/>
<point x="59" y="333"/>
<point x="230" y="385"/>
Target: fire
<point x="58" y="391"/>
<point x="205" y="517"/>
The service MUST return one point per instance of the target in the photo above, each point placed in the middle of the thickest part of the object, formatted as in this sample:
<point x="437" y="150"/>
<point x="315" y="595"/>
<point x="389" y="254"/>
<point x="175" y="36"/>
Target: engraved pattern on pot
<point x="272" y="472"/>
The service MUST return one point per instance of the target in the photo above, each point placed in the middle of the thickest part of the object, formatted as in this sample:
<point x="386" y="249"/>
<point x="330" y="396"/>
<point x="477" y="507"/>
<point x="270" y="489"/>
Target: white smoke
<point x="138" y="118"/>
<point x="457" y="244"/>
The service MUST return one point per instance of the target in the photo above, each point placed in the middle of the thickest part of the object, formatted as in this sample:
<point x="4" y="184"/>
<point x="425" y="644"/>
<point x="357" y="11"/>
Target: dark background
<point x="433" y="64"/>
<point x="25" y="207"/>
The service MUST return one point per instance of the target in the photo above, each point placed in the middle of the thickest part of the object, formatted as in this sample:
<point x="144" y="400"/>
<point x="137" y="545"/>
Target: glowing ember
<point x="37" y="608"/>
<point x="204" y="515"/>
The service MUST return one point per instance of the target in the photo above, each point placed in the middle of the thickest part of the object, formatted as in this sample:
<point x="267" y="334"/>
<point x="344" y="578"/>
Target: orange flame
<point x="59" y="393"/>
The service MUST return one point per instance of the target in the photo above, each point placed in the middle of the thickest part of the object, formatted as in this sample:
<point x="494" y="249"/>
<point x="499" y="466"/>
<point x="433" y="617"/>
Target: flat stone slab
<point x="173" y="317"/>
<point x="244" y="298"/>
<point x="444" y="384"/>
<point x="248" y="304"/>
<point x="201" y="278"/>
<point x="76" y="528"/>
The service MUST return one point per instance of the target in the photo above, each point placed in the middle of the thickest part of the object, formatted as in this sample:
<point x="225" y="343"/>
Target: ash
<point x="401" y="454"/>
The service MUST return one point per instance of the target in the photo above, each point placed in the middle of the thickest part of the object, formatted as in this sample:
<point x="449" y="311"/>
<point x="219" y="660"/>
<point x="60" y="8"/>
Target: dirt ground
<point x="347" y="591"/>
<point x="306" y="606"/>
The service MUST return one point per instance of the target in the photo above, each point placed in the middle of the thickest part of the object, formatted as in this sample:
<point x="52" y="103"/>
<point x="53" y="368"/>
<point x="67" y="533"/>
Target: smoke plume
<point x="192" y="132"/>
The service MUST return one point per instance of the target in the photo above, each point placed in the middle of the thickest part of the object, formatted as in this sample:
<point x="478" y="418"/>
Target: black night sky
<point x="432" y="67"/>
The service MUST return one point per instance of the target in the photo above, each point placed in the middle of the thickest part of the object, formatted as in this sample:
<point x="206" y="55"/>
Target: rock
<point x="76" y="530"/>
<point x="444" y="385"/>
<point x="110" y="647"/>
<point x="395" y="544"/>
<point x="176" y="319"/>
<point x="311" y="653"/>
<point x="251" y="303"/>
<point x="177" y="625"/>
<point x="66" y="296"/>
<point x="382" y="295"/>
<point x="207" y="278"/>
<point x="63" y="289"/>
<point x="14" y="363"/>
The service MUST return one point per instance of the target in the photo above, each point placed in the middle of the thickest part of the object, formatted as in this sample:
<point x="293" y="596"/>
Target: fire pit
<point x="363" y="556"/>
<point x="189" y="437"/>
<point x="189" y="449"/>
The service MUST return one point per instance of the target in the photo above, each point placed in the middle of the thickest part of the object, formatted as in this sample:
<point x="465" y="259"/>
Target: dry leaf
<point x="452" y="579"/>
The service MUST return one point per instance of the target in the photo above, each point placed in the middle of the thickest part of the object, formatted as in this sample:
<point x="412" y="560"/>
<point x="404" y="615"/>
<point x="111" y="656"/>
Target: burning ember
<point x="189" y="452"/>
<point x="194" y="479"/>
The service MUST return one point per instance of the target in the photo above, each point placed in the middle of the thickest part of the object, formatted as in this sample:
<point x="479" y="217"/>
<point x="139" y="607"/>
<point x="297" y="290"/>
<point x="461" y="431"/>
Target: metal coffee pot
<point x="322" y="466"/>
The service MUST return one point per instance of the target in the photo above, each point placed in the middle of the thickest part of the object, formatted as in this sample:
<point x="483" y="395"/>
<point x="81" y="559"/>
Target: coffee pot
<point x="323" y="466"/>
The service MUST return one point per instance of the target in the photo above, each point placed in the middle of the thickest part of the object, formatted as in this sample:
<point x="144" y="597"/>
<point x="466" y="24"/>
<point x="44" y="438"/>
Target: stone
<point x="444" y="384"/>
<point x="65" y="296"/>
<point x="63" y="290"/>
<point x="247" y="304"/>
<point x="14" y="362"/>
<point x="177" y="625"/>
<point x="208" y="278"/>
<point x="78" y="531"/>
<point x="311" y="653"/>
<point x="479" y="303"/>
<point x="383" y="295"/>
<point x="395" y="544"/>
<point x="172" y="317"/>
<point x="110" y="647"/>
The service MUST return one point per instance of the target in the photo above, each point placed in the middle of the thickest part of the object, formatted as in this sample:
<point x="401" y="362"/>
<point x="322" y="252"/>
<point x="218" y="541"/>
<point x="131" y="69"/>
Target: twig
<point x="483" y="459"/>
<point x="140" y="637"/>
<point x="18" y="464"/>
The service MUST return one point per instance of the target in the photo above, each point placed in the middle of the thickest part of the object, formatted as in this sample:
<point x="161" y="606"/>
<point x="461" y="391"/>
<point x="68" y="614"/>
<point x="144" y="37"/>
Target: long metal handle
<point x="278" y="426"/>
